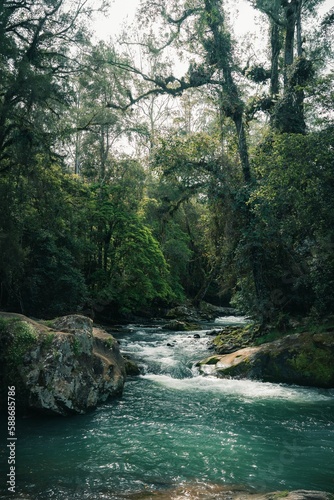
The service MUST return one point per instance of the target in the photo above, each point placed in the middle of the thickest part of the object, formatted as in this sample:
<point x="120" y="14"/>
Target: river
<point x="173" y="427"/>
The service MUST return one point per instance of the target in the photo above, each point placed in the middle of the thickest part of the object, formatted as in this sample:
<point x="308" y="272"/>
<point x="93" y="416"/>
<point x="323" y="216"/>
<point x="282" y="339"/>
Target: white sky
<point x="123" y="11"/>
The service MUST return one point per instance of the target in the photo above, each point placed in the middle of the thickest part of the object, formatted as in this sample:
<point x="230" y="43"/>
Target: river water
<point x="174" y="427"/>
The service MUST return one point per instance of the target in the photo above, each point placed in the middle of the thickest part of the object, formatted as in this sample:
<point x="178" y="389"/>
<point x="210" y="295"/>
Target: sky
<point x="124" y="11"/>
<point x="245" y="20"/>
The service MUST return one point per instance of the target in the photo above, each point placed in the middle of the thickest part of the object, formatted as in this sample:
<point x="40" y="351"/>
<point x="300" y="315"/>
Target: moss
<point x="237" y="336"/>
<point x="17" y="338"/>
<point x="48" y="340"/>
<point x="239" y="370"/>
<point x="212" y="360"/>
<point x="76" y="347"/>
<point x="270" y="337"/>
<point x="109" y="343"/>
<point x="316" y="364"/>
<point x="306" y="325"/>
<point x="49" y="322"/>
<point x="24" y="337"/>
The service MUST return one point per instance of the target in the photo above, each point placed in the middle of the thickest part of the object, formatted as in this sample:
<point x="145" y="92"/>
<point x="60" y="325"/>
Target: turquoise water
<point x="173" y="427"/>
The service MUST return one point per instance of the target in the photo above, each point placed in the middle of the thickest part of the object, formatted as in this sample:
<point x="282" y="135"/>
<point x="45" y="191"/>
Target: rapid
<point x="173" y="426"/>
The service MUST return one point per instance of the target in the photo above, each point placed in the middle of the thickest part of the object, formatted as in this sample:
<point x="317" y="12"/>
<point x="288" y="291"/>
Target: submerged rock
<point x="303" y="359"/>
<point x="207" y="491"/>
<point x="67" y="368"/>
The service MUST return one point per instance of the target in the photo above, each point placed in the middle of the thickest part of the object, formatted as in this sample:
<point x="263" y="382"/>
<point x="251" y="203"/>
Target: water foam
<point x="232" y="320"/>
<point x="248" y="389"/>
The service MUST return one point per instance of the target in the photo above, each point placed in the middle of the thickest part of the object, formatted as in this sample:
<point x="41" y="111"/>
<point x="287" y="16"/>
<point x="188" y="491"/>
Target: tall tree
<point x="215" y="69"/>
<point x="286" y="100"/>
<point x="38" y="41"/>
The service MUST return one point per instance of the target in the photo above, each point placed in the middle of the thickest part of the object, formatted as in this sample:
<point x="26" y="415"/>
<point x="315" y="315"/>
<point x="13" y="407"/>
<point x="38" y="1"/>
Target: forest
<point x="130" y="184"/>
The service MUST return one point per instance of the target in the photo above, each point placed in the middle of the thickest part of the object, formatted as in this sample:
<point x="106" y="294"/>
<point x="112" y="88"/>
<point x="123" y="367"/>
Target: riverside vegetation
<point x="226" y="192"/>
<point x="127" y="190"/>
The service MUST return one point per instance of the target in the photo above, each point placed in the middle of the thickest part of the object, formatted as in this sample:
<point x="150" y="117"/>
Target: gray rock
<point x="183" y="313"/>
<point x="67" y="369"/>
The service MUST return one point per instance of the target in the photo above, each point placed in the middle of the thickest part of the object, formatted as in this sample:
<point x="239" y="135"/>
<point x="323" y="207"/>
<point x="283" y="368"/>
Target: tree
<point x="294" y="207"/>
<point x="96" y="129"/>
<point x="40" y="271"/>
<point x="288" y="44"/>
<point x="213" y="43"/>
<point x="124" y="266"/>
<point x="37" y="42"/>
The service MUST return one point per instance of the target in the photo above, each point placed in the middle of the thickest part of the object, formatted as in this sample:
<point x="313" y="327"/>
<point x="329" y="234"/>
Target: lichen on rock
<point x="66" y="369"/>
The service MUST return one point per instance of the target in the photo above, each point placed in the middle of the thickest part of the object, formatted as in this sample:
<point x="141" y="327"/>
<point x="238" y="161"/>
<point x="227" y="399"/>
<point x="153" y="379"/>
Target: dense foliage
<point x="115" y="199"/>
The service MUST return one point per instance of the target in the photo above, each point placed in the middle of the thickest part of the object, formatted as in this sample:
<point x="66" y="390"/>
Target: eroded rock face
<point x="303" y="359"/>
<point x="66" y="369"/>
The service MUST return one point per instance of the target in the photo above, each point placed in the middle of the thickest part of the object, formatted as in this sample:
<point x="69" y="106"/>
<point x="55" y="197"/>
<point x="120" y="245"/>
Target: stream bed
<point x="173" y="427"/>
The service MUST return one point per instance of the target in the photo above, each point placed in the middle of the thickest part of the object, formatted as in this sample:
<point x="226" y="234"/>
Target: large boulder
<point x="183" y="313"/>
<point x="67" y="367"/>
<point x="303" y="359"/>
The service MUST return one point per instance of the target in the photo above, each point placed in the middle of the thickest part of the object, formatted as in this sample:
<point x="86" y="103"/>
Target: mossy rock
<point x="62" y="371"/>
<point x="17" y="339"/>
<point x="303" y="359"/>
<point x="232" y="338"/>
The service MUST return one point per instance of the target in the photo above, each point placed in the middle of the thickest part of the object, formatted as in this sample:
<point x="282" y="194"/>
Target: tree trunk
<point x="299" y="29"/>
<point x="275" y="52"/>
<point x="233" y="107"/>
<point x="291" y="17"/>
<point x="242" y="146"/>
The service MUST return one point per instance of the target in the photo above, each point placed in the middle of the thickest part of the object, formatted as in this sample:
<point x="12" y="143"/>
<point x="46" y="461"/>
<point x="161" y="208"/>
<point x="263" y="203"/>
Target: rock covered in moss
<point x="303" y="359"/>
<point x="180" y="326"/>
<point x="67" y="369"/>
<point x="210" y="311"/>
<point x="231" y="338"/>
